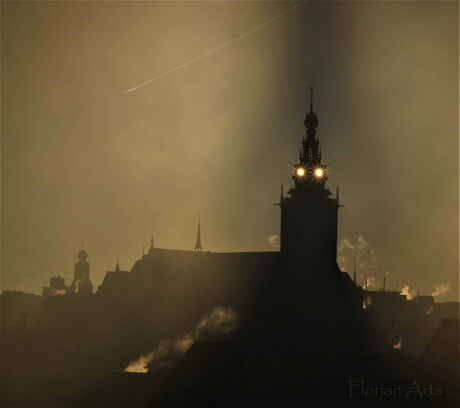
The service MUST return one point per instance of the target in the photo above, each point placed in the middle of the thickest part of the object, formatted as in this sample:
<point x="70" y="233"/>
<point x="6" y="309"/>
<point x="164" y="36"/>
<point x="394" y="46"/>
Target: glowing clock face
<point x="319" y="172"/>
<point x="300" y="172"/>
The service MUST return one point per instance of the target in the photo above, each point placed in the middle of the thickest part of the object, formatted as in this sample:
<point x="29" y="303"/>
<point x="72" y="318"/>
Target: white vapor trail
<point x="218" y="48"/>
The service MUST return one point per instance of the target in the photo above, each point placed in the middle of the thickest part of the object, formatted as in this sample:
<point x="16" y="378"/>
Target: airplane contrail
<point x="218" y="48"/>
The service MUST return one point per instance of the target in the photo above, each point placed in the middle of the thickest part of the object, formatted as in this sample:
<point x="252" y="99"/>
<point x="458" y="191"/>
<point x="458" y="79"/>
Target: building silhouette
<point x="305" y="328"/>
<point x="81" y="282"/>
<point x="115" y="281"/>
<point x="309" y="216"/>
<point x="57" y="287"/>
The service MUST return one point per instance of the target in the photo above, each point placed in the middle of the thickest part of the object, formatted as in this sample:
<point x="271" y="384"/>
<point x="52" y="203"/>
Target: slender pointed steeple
<point x="198" y="246"/>
<point x="354" y="275"/>
<point x="282" y="193"/>
<point x="117" y="268"/>
<point x="311" y="120"/>
<point x="310" y="158"/>
<point x="151" y="246"/>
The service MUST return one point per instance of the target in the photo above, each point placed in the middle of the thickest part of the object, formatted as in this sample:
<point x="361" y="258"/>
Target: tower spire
<point x="310" y="144"/>
<point x="198" y="246"/>
<point x="311" y="120"/>
<point x="311" y="98"/>
<point x="117" y="268"/>
<point x="151" y="245"/>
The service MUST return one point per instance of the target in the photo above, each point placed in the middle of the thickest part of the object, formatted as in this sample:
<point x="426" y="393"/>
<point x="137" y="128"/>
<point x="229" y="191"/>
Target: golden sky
<point x="81" y="159"/>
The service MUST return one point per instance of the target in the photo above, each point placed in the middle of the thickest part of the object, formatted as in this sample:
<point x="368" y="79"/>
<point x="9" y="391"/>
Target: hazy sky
<point x="83" y="160"/>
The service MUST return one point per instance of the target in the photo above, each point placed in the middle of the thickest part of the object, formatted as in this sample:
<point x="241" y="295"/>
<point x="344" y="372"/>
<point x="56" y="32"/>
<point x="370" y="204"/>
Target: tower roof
<point x="82" y="255"/>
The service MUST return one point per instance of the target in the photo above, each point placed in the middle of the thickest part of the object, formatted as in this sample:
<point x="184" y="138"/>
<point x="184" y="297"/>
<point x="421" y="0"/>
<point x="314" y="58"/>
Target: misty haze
<point x="229" y="204"/>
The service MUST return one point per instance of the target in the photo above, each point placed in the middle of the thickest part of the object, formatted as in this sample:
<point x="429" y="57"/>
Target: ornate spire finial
<point x="311" y="120"/>
<point x="198" y="246"/>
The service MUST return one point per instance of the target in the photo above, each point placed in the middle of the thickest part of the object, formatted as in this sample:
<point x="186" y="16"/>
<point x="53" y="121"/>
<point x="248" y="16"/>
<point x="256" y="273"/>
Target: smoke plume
<point x="398" y="345"/>
<point x="54" y="292"/>
<point x="274" y="241"/>
<point x="367" y="301"/>
<point x="360" y="251"/>
<point x="371" y="282"/>
<point x="221" y="320"/>
<point x="441" y="290"/>
<point x="77" y="284"/>
<point x="406" y="292"/>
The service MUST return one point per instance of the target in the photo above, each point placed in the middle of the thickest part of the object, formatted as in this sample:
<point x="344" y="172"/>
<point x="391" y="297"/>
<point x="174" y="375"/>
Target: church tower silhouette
<point x="309" y="215"/>
<point x="81" y="283"/>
